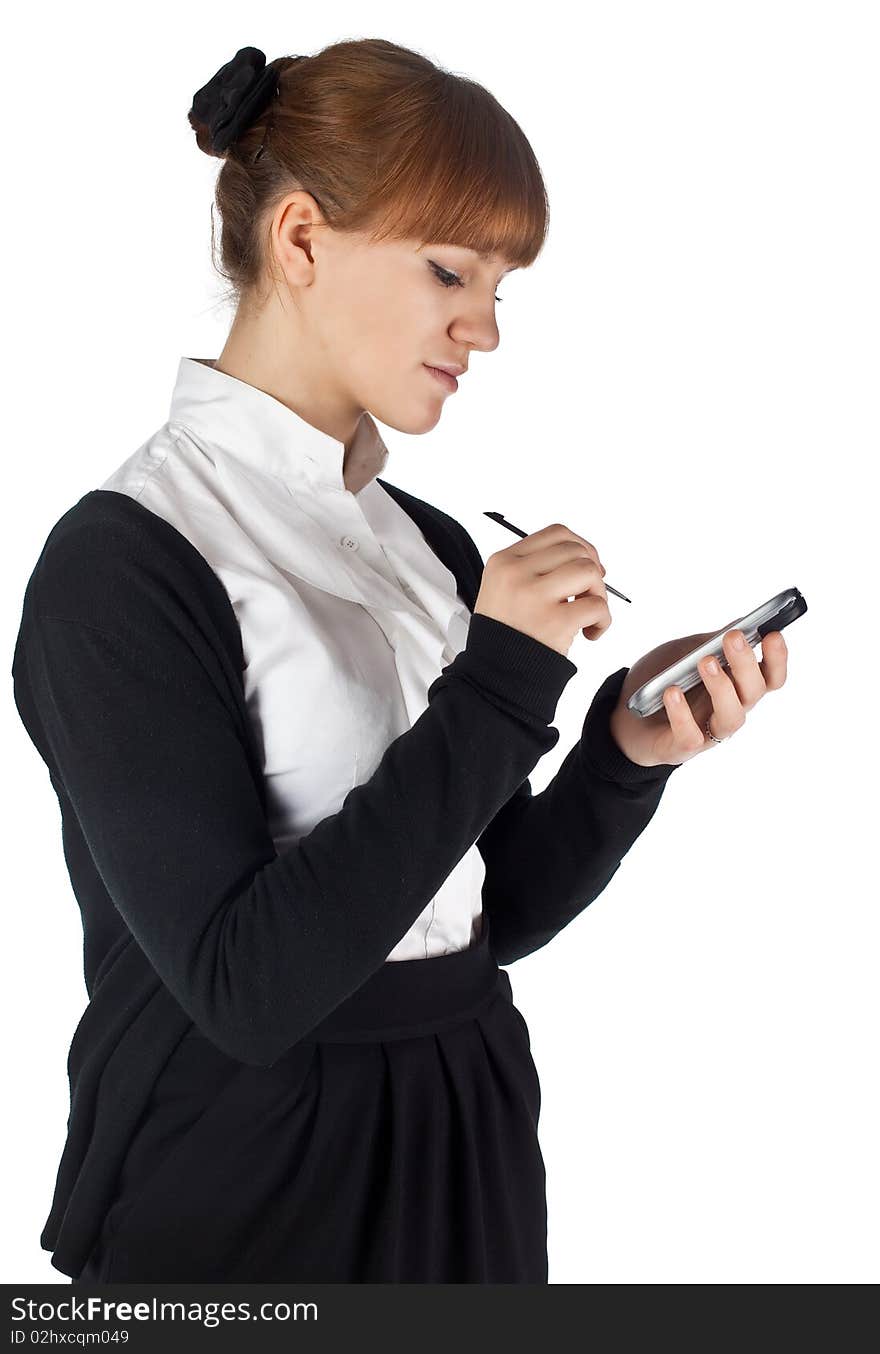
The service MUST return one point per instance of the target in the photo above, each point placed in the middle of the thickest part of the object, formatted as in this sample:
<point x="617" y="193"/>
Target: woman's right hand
<point x="527" y="585"/>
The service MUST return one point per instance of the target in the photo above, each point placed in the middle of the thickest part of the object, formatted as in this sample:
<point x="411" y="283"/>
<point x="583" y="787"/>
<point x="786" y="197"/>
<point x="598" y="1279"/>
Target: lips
<point x="447" y="381"/>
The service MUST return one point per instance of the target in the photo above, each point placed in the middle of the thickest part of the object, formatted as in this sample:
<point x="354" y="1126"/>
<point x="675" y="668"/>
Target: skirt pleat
<point x="398" y="1143"/>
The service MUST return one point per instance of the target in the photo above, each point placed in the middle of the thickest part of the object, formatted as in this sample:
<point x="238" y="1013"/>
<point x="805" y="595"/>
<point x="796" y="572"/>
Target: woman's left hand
<point x="676" y="733"/>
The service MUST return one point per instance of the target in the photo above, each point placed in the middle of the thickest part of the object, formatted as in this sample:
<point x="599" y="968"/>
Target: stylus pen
<point x="499" y="517"/>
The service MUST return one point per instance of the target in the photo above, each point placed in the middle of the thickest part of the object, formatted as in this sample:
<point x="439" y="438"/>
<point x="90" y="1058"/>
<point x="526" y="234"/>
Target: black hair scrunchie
<point x="234" y="97"/>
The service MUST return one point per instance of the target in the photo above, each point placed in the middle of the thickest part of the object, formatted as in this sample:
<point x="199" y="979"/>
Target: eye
<point x="448" y="279"/>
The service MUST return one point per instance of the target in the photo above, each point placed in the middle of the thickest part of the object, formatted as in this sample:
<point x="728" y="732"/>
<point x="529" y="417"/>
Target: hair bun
<point x="234" y="97"/>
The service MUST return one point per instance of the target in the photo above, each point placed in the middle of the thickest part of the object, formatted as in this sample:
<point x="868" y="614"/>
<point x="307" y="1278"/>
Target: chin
<point x="416" y="420"/>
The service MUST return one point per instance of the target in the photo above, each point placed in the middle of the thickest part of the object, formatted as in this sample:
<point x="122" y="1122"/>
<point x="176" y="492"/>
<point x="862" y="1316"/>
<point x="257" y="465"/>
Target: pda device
<point x="776" y="614"/>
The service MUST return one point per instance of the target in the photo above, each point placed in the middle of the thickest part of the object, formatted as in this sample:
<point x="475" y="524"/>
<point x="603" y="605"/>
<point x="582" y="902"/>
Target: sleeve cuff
<point x="514" y="665"/>
<point x="601" y="752"/>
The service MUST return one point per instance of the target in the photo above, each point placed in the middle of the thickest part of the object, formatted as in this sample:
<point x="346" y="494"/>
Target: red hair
<point x="387" y="143"/>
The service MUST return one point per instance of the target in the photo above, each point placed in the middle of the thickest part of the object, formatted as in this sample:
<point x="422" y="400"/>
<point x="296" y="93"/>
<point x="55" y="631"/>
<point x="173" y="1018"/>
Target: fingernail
<point x="712" y="666"/>
<point x="738" y="641"/>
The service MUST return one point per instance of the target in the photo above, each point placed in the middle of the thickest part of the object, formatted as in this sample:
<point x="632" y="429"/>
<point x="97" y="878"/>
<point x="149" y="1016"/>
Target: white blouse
<point x="346" y="614"/>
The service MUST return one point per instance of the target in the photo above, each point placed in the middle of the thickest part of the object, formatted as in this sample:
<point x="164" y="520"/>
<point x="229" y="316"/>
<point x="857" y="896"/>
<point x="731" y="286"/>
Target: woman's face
<point x="374" y="316"/>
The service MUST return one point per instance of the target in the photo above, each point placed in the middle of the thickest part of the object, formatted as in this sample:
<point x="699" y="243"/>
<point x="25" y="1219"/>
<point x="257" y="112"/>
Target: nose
<point x="476" y="330"/>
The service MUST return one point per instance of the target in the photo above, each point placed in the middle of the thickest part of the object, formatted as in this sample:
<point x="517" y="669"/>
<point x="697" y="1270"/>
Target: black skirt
<point x="396" y="1144"/>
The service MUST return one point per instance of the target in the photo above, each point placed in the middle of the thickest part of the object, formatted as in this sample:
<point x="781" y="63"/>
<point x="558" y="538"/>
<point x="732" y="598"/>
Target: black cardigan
<point x="128" y="678"/>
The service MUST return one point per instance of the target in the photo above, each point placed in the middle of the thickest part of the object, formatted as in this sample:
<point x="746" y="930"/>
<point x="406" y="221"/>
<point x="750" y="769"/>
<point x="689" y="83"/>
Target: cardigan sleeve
<point x="548" y="856"/>
<point x="115" y="687"/>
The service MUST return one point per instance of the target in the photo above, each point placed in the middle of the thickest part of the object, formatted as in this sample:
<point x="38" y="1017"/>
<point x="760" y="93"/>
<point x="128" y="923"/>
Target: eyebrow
<point x="485" y="259"/>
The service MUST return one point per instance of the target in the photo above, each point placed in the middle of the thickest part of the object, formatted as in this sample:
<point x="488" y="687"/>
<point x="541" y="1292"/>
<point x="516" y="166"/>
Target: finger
<point x="726" y="706"/>
<point x="686" y="733"/>
<point x="598" y="627"/>
<point x="552" y="535"/>
<point x="774" y="661"/>
<point x="744" y="672"/>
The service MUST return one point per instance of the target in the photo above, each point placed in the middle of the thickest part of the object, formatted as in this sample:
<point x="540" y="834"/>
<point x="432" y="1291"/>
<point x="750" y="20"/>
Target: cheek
<point x="382" y="329"/>
<point x="403" y="333"/>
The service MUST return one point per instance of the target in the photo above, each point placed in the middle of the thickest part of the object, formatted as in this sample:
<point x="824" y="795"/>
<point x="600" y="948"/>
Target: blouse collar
<point x="267" y="435"/>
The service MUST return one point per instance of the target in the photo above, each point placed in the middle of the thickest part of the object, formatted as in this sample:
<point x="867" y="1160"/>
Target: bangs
<point x="462" y="173"/>
<point x="391" y="147"/>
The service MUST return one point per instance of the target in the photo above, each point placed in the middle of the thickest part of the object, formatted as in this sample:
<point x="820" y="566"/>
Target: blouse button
<point x="348" y="543"/>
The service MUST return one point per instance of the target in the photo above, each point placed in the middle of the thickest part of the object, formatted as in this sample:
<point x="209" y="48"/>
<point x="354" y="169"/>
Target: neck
<point x="250" y="355"/>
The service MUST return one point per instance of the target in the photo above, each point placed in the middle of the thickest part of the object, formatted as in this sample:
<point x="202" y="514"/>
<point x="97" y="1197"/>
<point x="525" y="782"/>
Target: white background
<point x="688" y="377"/>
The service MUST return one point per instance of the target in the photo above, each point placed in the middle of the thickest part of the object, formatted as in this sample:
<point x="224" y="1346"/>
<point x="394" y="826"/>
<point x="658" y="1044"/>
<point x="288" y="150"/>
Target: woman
<point x="290" y="718"/>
